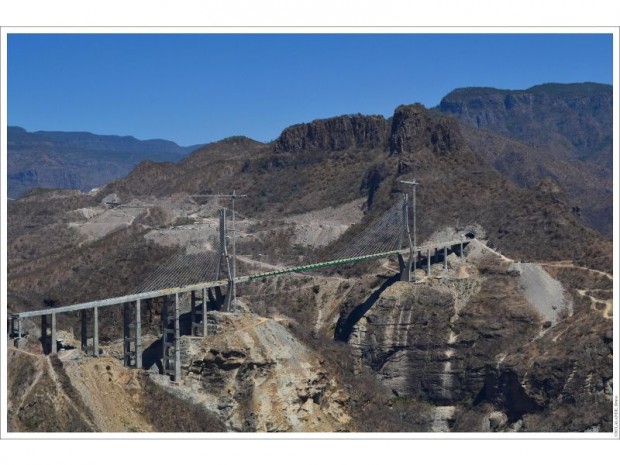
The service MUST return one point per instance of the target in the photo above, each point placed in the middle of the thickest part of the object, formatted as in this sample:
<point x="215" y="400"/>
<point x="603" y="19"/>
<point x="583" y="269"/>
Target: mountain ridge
<point x="78" y="160"/>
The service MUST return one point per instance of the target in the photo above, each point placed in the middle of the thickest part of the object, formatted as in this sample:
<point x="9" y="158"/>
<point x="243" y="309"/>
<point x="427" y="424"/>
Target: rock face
<point x="414" y="128"/>
<point x="401" y="343"/>
<point x="474" y="344"/>
<point x="557" y="131"/>
<point x="255" y="376"/>
<point x="340" y="133"/>
<point x="576" y="116"/>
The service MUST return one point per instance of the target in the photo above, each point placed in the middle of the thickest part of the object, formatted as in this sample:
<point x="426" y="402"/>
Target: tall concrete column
<point x="165" y="335"/>
<point x="138" y="335"/>
<point x="177" y="340"/>
<point x="404" y="269"/>
<point x="193" y="312"/>
<point x="44" y="340"/>
<point x="428" y="262"/>
<point x="84" y="330"/>
<point x="445" y="258"/>
<point x="204" y="313"/>
<point x="96" y="332"/>
<point x="19" y="328"/>
<point x="126" y="336"/>
<point x="54" y="345"/>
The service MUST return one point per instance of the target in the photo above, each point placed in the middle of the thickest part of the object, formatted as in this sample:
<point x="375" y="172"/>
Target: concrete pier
<point x="44" y="339"/>
<point x="428" y="262"/>
<point x="405" y="270"/>
<point x="193" y="314"/>
<point x="127" y="326"/>
<point x="177" y="339"/>
<point x="445" y="258"/>
<point x="205" y="329"/>
<point x="96" y="332"/>
<point x="167" y="338"/>
<point x="199" y="313"/>
<point x="138" y="337"/>
<point x="171" y="346"/>
<point x="84" y="330"/>
<point x="54" y="343"/>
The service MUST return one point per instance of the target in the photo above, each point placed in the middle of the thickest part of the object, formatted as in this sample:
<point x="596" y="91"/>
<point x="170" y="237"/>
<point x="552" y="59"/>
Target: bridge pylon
<point x="407" y="270"/>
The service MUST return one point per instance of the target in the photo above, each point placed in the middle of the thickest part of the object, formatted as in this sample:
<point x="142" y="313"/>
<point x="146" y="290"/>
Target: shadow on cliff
<point x="504" y="391"/>
<point x="344" y="328"/>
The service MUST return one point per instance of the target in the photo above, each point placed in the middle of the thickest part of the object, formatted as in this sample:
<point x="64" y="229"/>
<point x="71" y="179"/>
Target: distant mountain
<point x="78" y="160"/>
<point x="558" y="131"/>
<point x="576" y="118"/>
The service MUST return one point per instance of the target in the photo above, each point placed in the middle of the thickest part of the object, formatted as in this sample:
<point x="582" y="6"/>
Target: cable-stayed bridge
<point x="204" y="274"/>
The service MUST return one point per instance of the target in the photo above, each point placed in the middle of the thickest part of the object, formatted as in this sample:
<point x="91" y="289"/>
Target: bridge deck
<point x="224" y="282"/>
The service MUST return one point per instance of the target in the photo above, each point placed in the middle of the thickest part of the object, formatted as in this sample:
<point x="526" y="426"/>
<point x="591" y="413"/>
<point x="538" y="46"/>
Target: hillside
<point x="77" y="160"/>
<point x="559" y="131"/>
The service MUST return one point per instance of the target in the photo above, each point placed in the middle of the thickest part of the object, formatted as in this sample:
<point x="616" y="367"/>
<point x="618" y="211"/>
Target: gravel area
<point x="543" y="292"/>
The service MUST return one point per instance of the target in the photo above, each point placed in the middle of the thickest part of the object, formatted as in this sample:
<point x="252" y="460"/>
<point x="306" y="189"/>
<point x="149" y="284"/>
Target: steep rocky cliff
<point x="343" y="132"/>
<point x="577" y="117"/>
<point x="482" y="342"/>
<point x="560" y="131"/>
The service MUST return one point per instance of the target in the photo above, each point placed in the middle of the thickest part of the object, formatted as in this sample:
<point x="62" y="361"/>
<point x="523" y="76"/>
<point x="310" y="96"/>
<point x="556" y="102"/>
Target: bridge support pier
<point x="16" y="331"/>
<point x="44" y="340"/>
<point x="16" y="327"/>
<point x="138" y="340"/>
<point x="405" y="271"/>
<point x="171" y="357"/>
<point x="199" y="313"/>
<point x="177" y="339"/>
<point x="445" y="258"/>
<point x="216" y="297"/>
<point x="53" y="339"/>
<point x="461" y="255"/>
<point x="84" y="330"/>
<point x="132" y="336"/>
<point x="96" y="332"/>
<point x="428" y="262"/>
<point x="205" y="327"/>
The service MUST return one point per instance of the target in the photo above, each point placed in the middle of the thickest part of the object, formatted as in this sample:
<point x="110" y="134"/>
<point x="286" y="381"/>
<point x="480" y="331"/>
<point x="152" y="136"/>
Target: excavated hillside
<point x="520" y="343"/>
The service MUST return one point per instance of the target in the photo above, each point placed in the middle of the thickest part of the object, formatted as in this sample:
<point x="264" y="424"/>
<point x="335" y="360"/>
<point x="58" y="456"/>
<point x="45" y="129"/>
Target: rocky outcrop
<point x="255" y="376"/>
<point x="399" y="340"/>
<point x="414" y="128"/>
<point x="474" y="344"/>
<point x="339" y="133"/>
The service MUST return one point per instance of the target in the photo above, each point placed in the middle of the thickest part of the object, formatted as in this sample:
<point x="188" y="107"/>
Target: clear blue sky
<point x="195" y="88"/>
